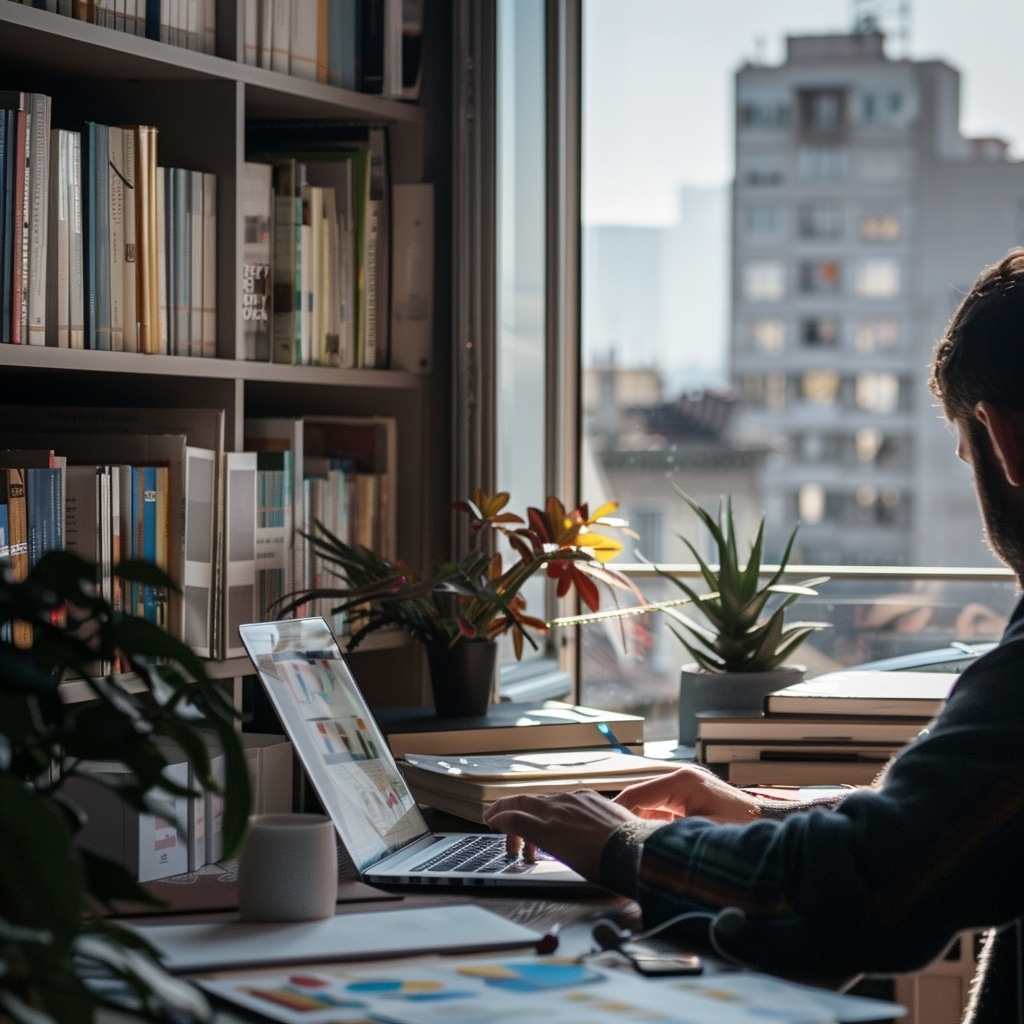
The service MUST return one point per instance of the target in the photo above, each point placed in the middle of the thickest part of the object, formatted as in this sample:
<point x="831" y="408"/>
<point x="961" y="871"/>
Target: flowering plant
<point x="478" y="596"/>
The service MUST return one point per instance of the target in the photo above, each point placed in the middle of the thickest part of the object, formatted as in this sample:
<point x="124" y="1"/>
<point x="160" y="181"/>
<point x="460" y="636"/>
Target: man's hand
<point x="691" y="792"/>
<point x="570" y="826"/>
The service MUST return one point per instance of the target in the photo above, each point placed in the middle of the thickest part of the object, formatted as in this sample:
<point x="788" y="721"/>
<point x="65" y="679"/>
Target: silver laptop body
<point x="353" y="772"/>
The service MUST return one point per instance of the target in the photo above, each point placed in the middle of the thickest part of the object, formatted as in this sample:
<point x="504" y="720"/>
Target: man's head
<point x="978" y="377"/>
<point x="981" y="357"/>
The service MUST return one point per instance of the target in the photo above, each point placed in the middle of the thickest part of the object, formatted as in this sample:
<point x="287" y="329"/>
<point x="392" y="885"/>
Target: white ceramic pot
<point x="727" y="691"/>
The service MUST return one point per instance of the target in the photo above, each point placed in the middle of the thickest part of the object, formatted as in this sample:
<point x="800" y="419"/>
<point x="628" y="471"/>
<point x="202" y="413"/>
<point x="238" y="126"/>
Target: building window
<point x="877" y="392"/>
<point x="876" y="335"/>
<point x="764" y="280"/>
<point x="819" y="276"/>
<point x="877" y="278"/>
<point x="882" y="164"/>
<point x="811" y="504"/>
<point x="820" y="332"/>
<point x="762" y="220"/>
<point x="767" y="335"/>
<point x="867" y="443"/>
<point x="764" y="115"/>
<point x="876" y="507"/>
<point x="821" y="220"/>
<point x="821" y="112"/>
<point x="883" y="108"/>
<point x="820" y="386"/>
<point x="765" y="391"/>
<point x="650" y="529"/>
<point x="821" y="163"/>
<point x="880" y="227"/>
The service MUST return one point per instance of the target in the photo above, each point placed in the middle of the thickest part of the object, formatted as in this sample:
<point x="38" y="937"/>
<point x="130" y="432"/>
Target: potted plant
<point x="59" y="952"/>
<point x="740" y="653"/>
<point x="458" y="608"/>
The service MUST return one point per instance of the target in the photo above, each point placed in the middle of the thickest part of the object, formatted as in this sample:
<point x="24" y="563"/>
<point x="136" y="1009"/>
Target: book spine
<point x="195" y="262"/>
<point x="178" y="256"/>
<point x="19" y="251"/>
<point x="238" y="589"/>
<point x="6" y="221"/>
<point x="17" y="513"/>
<point x="115" y="262"/>
<point x="76" y="300"/>
<point x="257" y="217"/>
<point x="208" y="347"/>
<point x="38" y="220"/>
<point x="130" y="261"/>
<point x="58" y="285"/>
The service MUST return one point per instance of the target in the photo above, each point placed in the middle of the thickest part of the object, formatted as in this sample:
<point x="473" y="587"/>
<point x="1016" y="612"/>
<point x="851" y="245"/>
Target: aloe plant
<point x="739" y="636"/>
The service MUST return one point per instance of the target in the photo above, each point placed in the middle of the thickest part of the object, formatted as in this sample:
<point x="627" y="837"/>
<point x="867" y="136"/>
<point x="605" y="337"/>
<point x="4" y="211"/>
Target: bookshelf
<point x="200" y="104"/>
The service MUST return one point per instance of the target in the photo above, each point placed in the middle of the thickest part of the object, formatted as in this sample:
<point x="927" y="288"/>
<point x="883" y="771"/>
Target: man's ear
<point x="1005" y="429"/>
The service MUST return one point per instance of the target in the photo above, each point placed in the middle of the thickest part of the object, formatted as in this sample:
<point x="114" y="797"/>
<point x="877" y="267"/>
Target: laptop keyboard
<point x="479" y="854"/>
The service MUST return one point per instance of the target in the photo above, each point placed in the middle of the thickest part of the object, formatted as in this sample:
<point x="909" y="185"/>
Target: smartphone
<point x="654" y="963"/>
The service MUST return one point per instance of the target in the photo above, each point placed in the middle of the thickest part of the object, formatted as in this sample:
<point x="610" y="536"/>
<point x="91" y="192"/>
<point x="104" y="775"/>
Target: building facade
<point x="861" y="215"/>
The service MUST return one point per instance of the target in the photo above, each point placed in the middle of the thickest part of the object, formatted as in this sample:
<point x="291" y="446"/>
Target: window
<point x="820" y="386"/>
<point x="884" y="108"/>
<point x="767" y="335"/>
<point x="821" y="112"/>
<point x="820" y="332"/>
<point x="762" y="220"/>
<point x="811" y="503"/>
<point x="764" y="115"/>
<point x="821" y="163"/>
<point x="819" y="276"/>
<point x="876" y="335"/>
<point x="876" y="392"/>
<point x="764" y="280"/>
<point x="765" y="390"/>
<point x="821" y="220"/>
<point x="880" y="227"/>
<point x="876" y="278"/>
<point x="883" y="164"/>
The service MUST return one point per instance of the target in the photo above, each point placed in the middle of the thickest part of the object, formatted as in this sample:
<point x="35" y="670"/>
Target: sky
<point x="658" y="84"/>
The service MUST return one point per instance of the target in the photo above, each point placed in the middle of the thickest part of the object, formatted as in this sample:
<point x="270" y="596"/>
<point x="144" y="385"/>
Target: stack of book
<point x="839" y="728"/>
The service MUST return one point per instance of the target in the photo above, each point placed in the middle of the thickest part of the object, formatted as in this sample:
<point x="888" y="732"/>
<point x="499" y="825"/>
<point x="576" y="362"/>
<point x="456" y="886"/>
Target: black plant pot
<point x="462" y="677"/>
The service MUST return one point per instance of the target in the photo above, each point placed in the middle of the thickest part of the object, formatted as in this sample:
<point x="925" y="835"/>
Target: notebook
<point x="354" y="774"/>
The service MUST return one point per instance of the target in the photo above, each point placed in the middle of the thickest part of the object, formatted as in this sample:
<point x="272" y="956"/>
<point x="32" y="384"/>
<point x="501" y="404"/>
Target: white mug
<point x="288" y="868"/>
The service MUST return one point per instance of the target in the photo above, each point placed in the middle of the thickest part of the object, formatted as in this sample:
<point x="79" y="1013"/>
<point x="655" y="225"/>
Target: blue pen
<point x="605" y="730"/>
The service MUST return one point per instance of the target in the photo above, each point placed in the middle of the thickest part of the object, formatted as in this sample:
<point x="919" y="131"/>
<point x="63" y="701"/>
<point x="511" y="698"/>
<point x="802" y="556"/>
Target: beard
<point x="1001" y="514"/>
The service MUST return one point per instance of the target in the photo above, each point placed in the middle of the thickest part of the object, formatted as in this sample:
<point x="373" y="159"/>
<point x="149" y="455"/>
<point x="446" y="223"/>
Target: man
<point x="881" y="880"/>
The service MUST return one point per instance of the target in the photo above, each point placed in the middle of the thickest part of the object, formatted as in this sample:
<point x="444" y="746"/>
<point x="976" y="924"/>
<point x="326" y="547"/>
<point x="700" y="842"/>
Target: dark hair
<point x="981" y="356"/>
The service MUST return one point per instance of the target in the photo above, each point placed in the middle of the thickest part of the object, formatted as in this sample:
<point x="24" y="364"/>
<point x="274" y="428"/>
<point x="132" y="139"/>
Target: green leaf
<point x="40" y="871"/>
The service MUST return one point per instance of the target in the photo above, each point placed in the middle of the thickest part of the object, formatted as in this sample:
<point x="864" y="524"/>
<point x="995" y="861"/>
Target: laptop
<point x="353" y="772"/>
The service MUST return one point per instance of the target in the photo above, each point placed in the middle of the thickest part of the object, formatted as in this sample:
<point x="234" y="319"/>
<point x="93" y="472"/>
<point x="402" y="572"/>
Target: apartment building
<point x="861" y="215"/>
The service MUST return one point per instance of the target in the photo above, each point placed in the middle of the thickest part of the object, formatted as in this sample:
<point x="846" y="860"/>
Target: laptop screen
<point x="338" y="742"/>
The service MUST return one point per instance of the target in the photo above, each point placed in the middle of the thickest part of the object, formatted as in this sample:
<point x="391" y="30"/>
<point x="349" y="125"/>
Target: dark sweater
<point x="882" y="881"/>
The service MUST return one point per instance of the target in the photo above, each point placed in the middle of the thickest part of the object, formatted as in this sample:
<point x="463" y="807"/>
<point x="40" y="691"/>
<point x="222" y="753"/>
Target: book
<point x="237" y="589"/>
<point x="15" y="311"/>
<point x="803" y="773"/>
<point x="274" y="510"/>
<point x="458" y="789"/>
<point x="208" y="338"/>
<point x="76" y="333"/>
<point x="58" y="284"/>
<point x="195" y="235"/>
<point x="303" y="47"/>
<point x="130" y="264"/>
<point x="17" y="527"/>
<point x="97" y="236"/>
<point x="727" y="725"/>
<point x="148" y="222"/>
<point x="6" y="220"/>
<point x="508" y="726"/>
<point x="865" y="692"/>
<point x="117" y="200"/>
<point x="200" y="531"/>
<point x="269" y="758"/>
<point x="257" y="220"/>
<point x="716" y="752"/>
